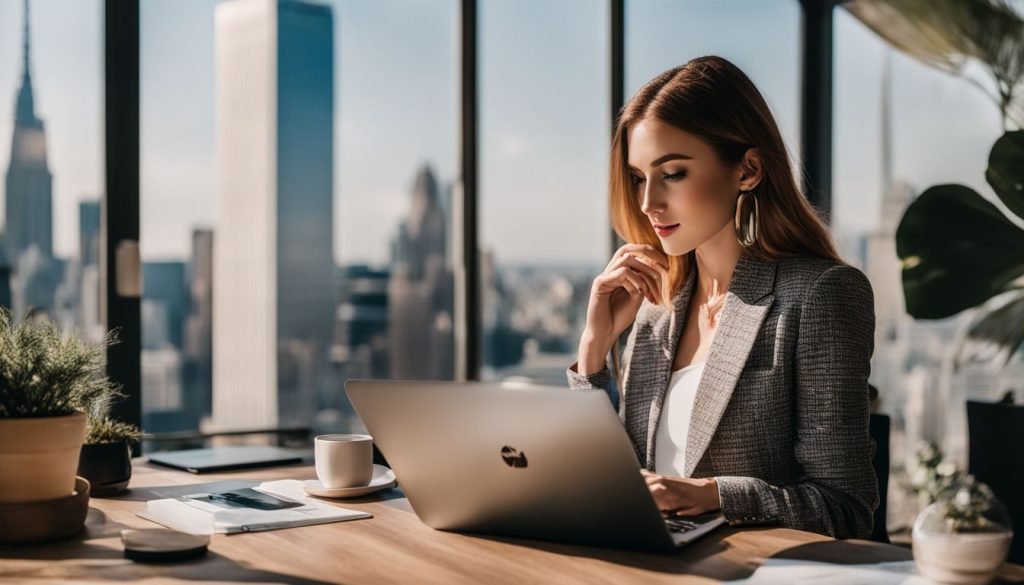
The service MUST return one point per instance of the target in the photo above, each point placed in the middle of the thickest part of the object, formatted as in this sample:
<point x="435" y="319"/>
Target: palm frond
<point x="996" y="334"/>
<point x="946" y="34"/>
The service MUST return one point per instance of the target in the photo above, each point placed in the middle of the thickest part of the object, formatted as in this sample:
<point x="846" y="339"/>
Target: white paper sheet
<point x="793" y="572"/>
<point x="195" y="516"/>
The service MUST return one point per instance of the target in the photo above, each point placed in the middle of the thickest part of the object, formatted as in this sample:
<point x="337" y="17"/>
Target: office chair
<point x="996" y="457"/>
<point x="879" y="427"/>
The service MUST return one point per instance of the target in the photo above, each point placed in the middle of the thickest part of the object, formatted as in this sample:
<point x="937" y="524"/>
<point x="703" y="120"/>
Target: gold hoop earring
<point x="747" y="230"/>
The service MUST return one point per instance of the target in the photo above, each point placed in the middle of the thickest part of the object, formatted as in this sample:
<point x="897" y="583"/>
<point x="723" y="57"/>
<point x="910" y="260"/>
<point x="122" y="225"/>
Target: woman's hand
<point x="681" y="496"/>
<point x="635" y="272"/>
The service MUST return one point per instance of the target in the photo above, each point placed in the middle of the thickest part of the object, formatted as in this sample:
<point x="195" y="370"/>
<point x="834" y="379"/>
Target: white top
<point x="674" y="424"/>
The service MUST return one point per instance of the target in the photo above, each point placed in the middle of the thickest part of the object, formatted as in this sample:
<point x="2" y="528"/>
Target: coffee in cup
<point x="343" y="460"/>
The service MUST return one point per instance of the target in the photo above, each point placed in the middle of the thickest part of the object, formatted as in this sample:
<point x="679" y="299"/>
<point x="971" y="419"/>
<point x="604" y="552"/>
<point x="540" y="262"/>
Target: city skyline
<point x="177" y="92"/>
<point x="304" y="317"/>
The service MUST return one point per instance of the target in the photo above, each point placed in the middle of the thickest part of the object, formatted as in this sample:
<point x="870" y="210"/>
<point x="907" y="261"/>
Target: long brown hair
<point x="712" y="99"/>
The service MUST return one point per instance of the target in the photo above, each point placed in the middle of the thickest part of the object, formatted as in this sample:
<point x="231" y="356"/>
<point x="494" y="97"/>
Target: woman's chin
<point x="676" y="248"/>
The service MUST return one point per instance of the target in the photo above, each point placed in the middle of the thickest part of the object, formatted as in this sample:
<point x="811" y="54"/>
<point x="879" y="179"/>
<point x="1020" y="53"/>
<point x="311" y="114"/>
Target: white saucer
<point x="383" y="478"/>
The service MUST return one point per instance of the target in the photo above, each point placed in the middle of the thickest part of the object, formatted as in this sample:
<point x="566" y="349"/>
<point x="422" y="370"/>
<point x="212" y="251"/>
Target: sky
<point x="544" y="112"/>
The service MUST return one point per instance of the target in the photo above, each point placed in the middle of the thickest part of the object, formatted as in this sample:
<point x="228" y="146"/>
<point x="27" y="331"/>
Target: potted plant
<point x="962" y="537"/>
<point x="49" y="380"/>
<point x="106" y="459"/>
<point x="959" y="251"/>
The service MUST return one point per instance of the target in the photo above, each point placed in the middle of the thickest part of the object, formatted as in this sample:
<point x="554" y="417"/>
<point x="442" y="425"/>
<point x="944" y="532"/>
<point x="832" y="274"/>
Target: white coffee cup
<point x="344" y="460"/>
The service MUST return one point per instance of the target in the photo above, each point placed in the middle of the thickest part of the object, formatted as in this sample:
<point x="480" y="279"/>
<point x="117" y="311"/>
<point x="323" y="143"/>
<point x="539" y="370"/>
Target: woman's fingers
<point x="646" y="250"/>
<point x="651" y="276"/>
<point x="645" y="260"/>
<point x="630" y="287"/>
<point x="631" y="280"/>
<point x="654" y="276"/>
<point x="671" y="497"/>
<point x="643" y="250"/>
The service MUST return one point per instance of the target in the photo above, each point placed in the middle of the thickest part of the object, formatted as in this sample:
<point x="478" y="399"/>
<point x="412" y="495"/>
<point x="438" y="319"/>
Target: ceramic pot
<point x="107" y="466"/>
<point x="961" y="558"/>
<point x="39" y="456"/>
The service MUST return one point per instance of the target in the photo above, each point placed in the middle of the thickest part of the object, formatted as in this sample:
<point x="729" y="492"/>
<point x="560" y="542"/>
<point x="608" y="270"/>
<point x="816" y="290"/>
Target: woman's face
<point x="682" y="187"/>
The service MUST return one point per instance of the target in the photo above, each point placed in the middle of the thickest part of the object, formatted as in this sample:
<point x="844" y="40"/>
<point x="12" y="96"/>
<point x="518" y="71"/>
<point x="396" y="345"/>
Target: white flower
<point x="920" y="476"/>
<point x="963" y="498"/>
<point x="946" y="468"/>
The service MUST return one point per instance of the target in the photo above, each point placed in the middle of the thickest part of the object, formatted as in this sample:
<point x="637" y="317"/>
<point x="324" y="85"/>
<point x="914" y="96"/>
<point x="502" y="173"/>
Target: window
<point x="760" y="37"/>
<point x="51" y="144"/>
<point x="544" y="128"/>
<point x="295" y="208"/>
<point x="888" y="149"/>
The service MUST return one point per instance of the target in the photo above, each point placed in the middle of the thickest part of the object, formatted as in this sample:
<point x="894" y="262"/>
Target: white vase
<point x="39" y="457"/>
<point x="961" y="558"/>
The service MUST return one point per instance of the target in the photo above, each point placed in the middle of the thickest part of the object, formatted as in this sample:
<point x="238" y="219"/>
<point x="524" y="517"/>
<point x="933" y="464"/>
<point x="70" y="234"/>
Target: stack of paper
<point x="268" y="506"/>
<point x="793" y="572"/>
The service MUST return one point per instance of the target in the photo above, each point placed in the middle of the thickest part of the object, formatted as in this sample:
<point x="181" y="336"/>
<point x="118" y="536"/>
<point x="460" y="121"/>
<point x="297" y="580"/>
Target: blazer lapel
<point x="746" y="304"/>
<point x="668" y="340"/>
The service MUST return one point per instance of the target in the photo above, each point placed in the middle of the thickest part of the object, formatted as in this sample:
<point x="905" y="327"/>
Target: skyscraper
<point x="89" y="232"/>
<point x="164" y="298"/>
<point x="29" y="201"/>
<point x="273" y="304"/>
<point x="421" y="290"/>
<point x="88" y="313"/>
<point x="76" y="301"/>
<point x="164" y="306"/>
<point x="199" y="327"/>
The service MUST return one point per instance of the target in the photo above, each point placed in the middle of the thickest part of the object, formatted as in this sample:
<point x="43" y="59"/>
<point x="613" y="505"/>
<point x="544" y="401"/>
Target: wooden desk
<point x="395" y="547"/>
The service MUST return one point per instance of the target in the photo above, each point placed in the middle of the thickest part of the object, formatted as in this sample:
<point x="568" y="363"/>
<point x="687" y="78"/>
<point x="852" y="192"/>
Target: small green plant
<point x="964" y="505"/>
<point x="46" y="372"/>
<point x="105" y="430"/>
<point x="931" y="474"/>
<point x="963" y="500"/>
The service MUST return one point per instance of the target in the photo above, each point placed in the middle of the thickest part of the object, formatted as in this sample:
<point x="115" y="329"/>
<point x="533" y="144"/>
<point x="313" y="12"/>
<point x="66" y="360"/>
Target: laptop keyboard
<point x="679" y="525"/>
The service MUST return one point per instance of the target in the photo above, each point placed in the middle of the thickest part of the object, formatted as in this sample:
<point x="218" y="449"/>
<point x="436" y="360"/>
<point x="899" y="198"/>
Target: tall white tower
<point x="273" y="301"/>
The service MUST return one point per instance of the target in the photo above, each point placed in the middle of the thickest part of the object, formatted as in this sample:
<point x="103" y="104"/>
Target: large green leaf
<point x="996" y="335"/>
<point x="1006" y="170"/>
<point x="947" y="34"/>
<point x="927" y="30"/>
<point x="958" y="250"/>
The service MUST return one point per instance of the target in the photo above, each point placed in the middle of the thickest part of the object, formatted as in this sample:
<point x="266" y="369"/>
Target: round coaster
<point x="162" y="544"/>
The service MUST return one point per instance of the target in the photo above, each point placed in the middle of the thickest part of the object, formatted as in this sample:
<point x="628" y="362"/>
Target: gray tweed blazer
<point x="781" y="413"/>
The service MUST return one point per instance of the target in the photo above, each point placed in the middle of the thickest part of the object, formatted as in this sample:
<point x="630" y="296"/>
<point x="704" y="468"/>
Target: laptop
<point x="519" y="460"/>
<point x="224" y="458"/>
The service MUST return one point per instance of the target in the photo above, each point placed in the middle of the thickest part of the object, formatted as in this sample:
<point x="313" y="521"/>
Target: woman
<point x="744" y="378"/>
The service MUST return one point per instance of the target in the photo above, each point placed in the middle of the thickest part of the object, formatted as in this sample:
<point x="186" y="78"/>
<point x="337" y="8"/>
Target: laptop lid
<point x="224" y="458"/>
<point x="539" y="462"/>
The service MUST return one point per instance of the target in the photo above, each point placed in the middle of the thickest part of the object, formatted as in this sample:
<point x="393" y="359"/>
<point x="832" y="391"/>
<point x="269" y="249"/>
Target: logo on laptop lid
<point x="512" y="457"/>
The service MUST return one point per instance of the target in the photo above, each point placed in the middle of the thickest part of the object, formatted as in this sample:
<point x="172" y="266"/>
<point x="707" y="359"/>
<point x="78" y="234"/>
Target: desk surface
<point x="395" y="547"/>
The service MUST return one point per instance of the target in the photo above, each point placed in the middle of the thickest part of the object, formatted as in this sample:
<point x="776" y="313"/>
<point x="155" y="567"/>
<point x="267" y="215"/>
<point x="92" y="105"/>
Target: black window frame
<point x="120" y="230"/>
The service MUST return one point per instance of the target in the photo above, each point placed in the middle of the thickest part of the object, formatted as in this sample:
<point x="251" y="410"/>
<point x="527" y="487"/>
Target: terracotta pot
<point x="33" y="522"/>
<point x="39" y="457"/>
<point x="107" y="466"/>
